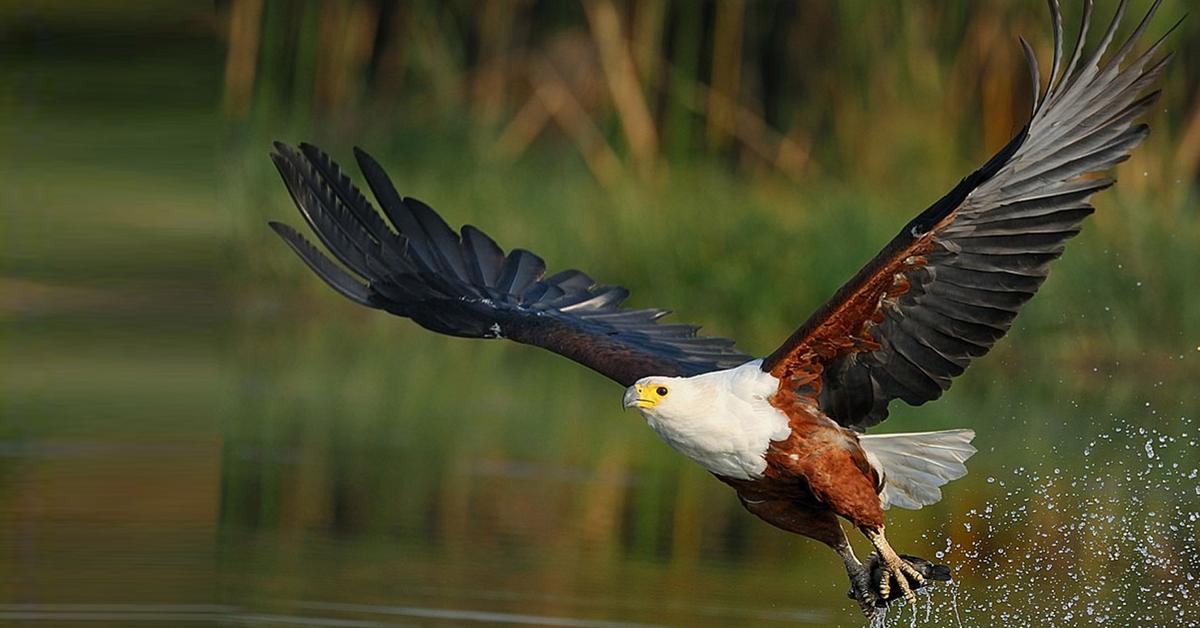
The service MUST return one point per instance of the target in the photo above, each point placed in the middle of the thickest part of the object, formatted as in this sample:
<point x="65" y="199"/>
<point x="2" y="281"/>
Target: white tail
<point x="914" y="465"/>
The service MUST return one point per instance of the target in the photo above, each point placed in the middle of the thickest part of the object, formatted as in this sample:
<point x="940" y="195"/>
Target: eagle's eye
<point x="662" y="391"/>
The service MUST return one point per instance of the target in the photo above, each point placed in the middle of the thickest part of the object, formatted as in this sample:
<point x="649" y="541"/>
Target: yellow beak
<point x="635" y="397"/>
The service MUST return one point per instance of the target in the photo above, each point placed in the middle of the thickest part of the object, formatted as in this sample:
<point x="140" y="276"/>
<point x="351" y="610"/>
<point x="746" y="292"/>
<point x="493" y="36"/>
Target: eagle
<point x="786" y="431"/>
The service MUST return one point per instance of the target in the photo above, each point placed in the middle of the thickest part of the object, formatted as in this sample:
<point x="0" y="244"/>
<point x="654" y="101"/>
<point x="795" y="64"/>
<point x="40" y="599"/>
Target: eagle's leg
<point x="816" y="523"/>
<point x="894" y="568"/>
<point x="860" y="578"/>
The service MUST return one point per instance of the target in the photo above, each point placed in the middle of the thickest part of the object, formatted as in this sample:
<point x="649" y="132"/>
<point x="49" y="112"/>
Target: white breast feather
<point x="723" y="420"/>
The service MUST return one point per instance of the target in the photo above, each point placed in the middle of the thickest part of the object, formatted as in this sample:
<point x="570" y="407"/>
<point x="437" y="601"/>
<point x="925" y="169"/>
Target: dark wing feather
<point x="465" y="285"/>
<point x="949" y="285"/>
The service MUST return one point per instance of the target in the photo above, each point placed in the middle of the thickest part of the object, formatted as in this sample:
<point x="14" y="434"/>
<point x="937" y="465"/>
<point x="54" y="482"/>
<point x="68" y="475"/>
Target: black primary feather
<point x="464" y="285"/>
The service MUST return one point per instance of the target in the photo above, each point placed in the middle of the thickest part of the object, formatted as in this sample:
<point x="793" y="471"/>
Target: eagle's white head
<point x="722" y="419"/>
<point x="681" y="397"/>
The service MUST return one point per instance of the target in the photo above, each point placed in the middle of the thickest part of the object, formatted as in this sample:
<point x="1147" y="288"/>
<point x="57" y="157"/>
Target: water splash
<point x="1110" y="540"/>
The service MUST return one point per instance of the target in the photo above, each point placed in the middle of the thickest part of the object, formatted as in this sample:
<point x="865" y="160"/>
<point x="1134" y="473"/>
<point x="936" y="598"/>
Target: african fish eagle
<point x="786" y="431"/>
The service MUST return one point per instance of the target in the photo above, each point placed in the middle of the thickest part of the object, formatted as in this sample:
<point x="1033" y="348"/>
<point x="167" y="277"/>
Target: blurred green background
<point x="195" y="429"/>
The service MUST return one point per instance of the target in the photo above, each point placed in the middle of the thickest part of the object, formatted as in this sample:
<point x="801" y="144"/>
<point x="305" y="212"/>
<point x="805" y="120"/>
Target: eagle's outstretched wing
<point x="463" y="284"/>
<point x="949" y="285"/>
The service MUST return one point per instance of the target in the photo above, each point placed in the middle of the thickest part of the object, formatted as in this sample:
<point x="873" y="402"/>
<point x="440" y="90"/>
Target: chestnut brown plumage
<point x="940" y="294"/>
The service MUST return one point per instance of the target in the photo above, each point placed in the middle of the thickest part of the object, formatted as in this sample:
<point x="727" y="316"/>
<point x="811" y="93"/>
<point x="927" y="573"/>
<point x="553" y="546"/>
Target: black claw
<point x="867" y="601"/>
<point x="928" y="570"/>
